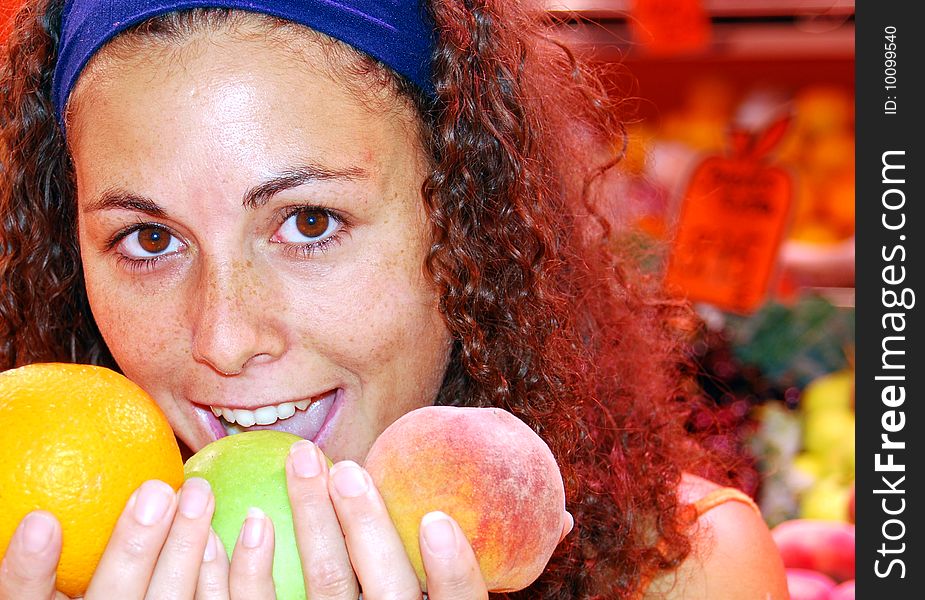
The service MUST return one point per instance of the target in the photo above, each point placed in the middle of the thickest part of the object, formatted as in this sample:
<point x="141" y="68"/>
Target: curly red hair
<point x="549" y="322"/>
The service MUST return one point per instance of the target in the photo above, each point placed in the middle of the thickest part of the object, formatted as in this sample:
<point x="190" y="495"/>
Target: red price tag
<point x="733" y="219"/>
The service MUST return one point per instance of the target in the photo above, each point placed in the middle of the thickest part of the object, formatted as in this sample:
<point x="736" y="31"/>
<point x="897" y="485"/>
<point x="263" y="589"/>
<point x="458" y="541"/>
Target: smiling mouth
<point x="304" y="418"/>
<point x="265" y="415"/>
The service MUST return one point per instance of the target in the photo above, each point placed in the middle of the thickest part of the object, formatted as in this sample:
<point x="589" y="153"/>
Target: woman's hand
<point x="154" y="551"/>
<point x="347" y="540"/>
<point x="163" y="547"/>
<point x="28" y="567"/>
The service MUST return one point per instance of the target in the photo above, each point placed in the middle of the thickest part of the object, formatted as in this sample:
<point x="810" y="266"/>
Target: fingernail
<point x="37" y="529"/>
<point x="152" y="500"/>
<point x="211" y="548"/>
<point x="306" y="461"/>
<point x="571" y="522"/>
<point x="349" y="479"/>
<point x="439" y="534"/>
<point x="194" y="497"/>
<point x="254" y="524"/>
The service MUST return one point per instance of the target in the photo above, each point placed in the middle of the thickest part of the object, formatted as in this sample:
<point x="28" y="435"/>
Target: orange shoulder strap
<point x="721" y="496"/>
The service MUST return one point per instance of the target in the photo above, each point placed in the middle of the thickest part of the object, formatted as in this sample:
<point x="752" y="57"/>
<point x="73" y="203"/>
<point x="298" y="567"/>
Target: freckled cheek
<point x="142" y="336"/>
<point x="405" y="343"/>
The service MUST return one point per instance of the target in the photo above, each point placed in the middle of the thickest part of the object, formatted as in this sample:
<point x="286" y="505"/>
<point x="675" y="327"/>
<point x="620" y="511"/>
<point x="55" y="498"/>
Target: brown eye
<point x="309" y="228"/>
<point x="153" y="240"/>
<point x="312" y="223"/>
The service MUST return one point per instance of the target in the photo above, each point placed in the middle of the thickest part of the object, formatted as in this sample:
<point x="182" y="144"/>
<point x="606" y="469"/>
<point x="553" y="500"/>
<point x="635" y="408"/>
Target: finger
<point x="28" y="568"/>
<point x="213" y="572"/>
<point x="326" y="565"/>
<point x="177" y="569"/>
<point x="127" y="564"/>
<point x="567" y="524"/>
<point x="452" y="570"/>
<point x="375" y="549"/>
<point x="251" y="575"/>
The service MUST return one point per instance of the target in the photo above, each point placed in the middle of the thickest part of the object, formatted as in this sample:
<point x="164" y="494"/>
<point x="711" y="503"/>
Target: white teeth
<point x="265" y="415"/>
<point x="244" y="417"/>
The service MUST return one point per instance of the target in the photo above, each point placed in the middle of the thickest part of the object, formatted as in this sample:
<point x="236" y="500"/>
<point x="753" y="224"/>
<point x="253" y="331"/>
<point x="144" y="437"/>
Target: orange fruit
<point x="77" y="440"/>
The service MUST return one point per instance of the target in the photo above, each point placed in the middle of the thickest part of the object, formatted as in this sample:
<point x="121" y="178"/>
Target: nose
<point x="232" y="320"/>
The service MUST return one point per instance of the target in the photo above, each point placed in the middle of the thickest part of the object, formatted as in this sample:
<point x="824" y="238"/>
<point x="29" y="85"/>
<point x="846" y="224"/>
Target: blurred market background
<point x="738" y="179"/>
<point x="738" y="183"/>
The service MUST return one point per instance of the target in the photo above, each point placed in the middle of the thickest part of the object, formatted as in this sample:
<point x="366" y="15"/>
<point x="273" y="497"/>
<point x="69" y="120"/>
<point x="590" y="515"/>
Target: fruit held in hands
<point x="485" y="468"/>
<point x="249" y="469"/>
<point x="77" y="440"/>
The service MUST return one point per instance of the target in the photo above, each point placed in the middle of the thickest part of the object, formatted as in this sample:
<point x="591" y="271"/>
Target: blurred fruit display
<point x="820" y="148"/>
<point x="793" y="344"/>
<point x="783" y="380"/>
<point x="815" y="150"/>
<point x="775" y="372"/>
<point x="806" y="584"/>
<point x="843" y="591"/>
<point x="818" y="145"/>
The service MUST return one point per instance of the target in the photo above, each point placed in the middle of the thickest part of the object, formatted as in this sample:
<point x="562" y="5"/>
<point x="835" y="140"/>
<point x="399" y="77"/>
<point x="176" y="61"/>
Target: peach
<point x="805" y="584"/>
<point x="485" y="468"/>
<point x="825" y="546"/>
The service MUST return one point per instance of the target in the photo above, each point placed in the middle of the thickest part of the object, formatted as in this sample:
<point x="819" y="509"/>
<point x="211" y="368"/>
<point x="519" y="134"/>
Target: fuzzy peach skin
<point x="824" y="546"/>
<point x="485" y="468"/>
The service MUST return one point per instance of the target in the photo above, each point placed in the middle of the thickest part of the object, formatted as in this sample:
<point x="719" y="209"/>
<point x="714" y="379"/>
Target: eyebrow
<point x="119" y="199"/>
<point x="260" y="194"/>
<point x="254" y="198"/>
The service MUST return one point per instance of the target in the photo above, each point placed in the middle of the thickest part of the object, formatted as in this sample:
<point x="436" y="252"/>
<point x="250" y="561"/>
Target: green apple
<point x="245" y="470"/>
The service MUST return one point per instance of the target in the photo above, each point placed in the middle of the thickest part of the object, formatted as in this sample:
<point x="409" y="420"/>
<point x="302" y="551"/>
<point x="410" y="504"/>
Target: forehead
<point x="243" y="65"/>
<point x="232" y="99"/>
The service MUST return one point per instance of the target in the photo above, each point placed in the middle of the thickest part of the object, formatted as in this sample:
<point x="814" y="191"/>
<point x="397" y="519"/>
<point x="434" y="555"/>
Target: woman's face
<point x="253" y="238"/>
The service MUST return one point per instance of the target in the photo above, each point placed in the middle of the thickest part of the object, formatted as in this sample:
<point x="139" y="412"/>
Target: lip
<point x="328" y="425"/>
<point x="255" y="405"/>
<point x="212" y="425"/>
<point x="216" y="428"/>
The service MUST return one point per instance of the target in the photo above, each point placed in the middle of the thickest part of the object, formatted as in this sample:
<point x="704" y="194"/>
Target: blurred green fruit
<point x="245" y="470"/>
<point x="808" y="466"/>
<point x="832" y="391"/>
<point x="826" y="500"/>
<point x="829" y="434"/>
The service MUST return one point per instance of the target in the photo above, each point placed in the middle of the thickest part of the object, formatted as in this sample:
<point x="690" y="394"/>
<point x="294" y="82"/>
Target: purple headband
<point x="398" y="33"/>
